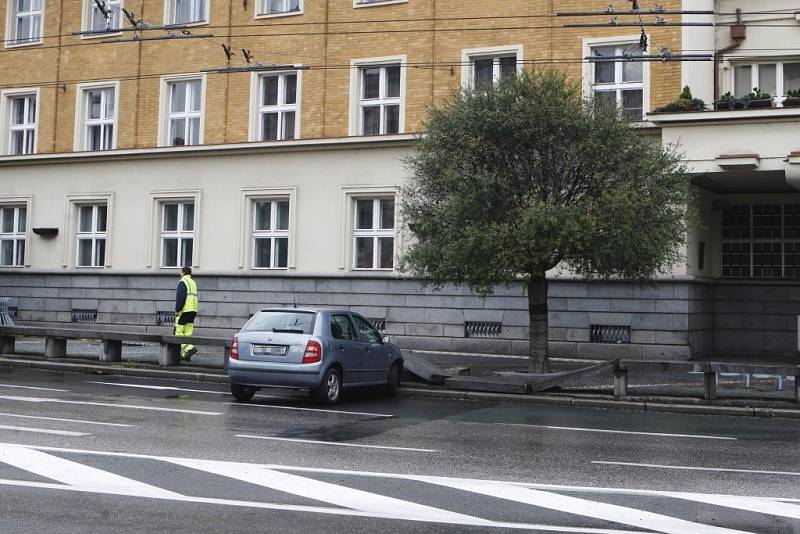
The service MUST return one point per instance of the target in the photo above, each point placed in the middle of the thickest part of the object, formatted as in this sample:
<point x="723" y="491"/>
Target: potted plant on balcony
<point x="728" y="101"/>
<point x="684" y="102"/>
<point x="792" y="99"/>
<point x="758" y="100"/>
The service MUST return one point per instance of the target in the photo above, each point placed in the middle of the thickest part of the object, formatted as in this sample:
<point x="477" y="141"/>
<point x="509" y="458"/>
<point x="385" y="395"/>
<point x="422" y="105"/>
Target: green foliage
<point x="756" y="94"/>
<point x="513" y="180"/>
<point x="793" y="93"/>
<point x="684" y="102"/>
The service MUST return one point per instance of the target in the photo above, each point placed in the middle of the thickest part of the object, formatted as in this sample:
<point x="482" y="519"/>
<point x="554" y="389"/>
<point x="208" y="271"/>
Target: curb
<point x="662" y="405"/>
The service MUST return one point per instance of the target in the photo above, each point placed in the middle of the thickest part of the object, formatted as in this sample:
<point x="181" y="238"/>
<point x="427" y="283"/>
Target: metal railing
<point x="165" y="318"/>
<point x="84" y="315"/>
<point x="6" y="317"/>
<point x="602" y="333"/>
<point x="378" y="323"/>
<point x="483" y="329"/>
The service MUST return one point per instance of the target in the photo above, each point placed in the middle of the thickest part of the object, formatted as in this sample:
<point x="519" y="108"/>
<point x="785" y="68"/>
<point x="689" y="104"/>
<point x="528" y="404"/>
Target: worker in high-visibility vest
<point x="186" y="306"/>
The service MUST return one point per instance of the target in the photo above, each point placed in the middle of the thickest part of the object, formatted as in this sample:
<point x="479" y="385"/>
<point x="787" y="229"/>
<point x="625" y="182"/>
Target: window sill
<point x="269" y="268"/>
<point x="13" y="266"/>
<point x="357" y="269"/>
<point x="278" y="15"/>
<point x="357" y="4"/>
<point x="178" y="25"/>
<point x="12" y="44"/>
<point x="99" y="35"/>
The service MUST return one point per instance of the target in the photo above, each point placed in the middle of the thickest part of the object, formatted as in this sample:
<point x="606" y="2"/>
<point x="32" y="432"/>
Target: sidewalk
<point x="657" y="392"/>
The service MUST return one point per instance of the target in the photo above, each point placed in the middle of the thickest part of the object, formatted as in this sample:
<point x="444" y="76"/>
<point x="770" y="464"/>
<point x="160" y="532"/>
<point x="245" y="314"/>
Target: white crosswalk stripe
<point x="342" y="499"/>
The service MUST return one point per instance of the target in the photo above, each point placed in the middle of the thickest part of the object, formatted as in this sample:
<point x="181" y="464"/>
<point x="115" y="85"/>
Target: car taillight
<point x="235" y="348"/>
<point x="313" y="352"/>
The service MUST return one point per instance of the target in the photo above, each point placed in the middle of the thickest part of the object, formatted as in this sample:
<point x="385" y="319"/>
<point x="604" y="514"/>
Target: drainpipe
<point x="738" y="34"/>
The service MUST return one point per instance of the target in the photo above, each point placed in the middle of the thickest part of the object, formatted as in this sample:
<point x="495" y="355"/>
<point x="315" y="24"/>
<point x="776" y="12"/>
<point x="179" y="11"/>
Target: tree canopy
<point x="511" y="180"/>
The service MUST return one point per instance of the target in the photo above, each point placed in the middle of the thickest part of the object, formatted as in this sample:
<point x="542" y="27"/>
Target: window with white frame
<point x="277" y="109"/>
<point x="13" y="227"/>
<point x="99" y="117"/>
<point x="177" y="234"/>
<point x="775" y="78"/>
<point x="280" y="7"/>
<point x="373" y="233"/>
<point x="21" y="124"/>
<point x="96" y="19"/>
<point x="91" y="235"/>
<point x="271" y="234"/>
<point x="619" y="82"/>
<point x="761" y="241"/>
<point x="184" y="112"/>
<point x="186" y="11"/>
<point x="25" y="18"/>
<point x="379" y="99"/>
<point x="491" y="68"/>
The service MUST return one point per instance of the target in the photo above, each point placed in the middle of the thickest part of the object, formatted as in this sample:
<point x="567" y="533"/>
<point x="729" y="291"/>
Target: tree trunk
<point x="539" y="326"/>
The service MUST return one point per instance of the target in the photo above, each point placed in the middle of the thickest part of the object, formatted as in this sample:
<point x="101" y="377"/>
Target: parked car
<point x="319" y="349"/>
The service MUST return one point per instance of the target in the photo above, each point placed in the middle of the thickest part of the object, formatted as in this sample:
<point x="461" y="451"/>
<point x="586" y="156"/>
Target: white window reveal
<point x="774" y="78"/>
<point x="373" y="233"/>
<point x="619" y="83"/>
<point x="22" y="124"/>
<point x="13" y="225"/>
<point x="177" y="234"/>
<point x="103" y="15"/>
<point x="91" y="235"/>
<point x="187" y="12"/>
<point x="185" y="112"/>
<point x="26" y="22"/>
<point x="380" y="99"/>
<point x="277" y="109"/>
<point x="99" y="117"/>
<point x="270" y="234"/>
<point x="279" y="7"/>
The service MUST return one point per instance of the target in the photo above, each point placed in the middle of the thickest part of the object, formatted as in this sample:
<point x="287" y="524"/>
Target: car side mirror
<point x="386" y="340"/>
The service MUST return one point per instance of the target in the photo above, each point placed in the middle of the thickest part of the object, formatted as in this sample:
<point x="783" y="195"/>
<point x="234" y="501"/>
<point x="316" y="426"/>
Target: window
<point x="489" y="65"/>
<point x="761" y="241"/>
<point x="13" y="225"/>
<point x="91" y="235"/>
<point x="619" y="83"/>
<point x="366" y="332"/>
<point x="96" y="20"/>
<point x="277" y="107"/>
<point x="21" y="121"/>
<point x="373" y="233"/>
<point x="775" y="78"/>
<point x="177" y="234"/>
<point x="341" y="327"/>
<point x="379" y="99"/>
<point x="270" y="234"/>
<point x="186" y="11"/>
<point x="184" y="112"/>
<point x="26" y="22"/>
<point x="98" y="110"/>
<point x="280" y="7"/>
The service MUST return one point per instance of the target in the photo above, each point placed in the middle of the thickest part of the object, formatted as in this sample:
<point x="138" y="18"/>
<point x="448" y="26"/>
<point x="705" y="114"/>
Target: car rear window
<point x="293" y="322"/>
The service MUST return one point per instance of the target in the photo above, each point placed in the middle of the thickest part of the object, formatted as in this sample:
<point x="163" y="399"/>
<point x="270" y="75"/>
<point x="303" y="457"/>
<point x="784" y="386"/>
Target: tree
<point x="509" y="181"/>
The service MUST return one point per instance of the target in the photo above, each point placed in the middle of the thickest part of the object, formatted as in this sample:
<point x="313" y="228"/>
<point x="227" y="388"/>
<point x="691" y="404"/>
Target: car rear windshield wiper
<point x="288" y="330"/>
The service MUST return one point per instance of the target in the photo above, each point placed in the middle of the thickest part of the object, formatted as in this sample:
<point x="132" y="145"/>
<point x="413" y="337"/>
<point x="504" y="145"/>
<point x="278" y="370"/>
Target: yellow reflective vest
<point x="191" y="304"/>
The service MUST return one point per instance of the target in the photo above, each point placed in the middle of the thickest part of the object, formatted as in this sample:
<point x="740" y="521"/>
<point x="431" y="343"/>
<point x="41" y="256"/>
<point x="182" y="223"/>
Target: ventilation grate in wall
<point x="84" y="315"/>
<point x="378" y="323"/>
<point x="603" y="333"/>
<point x="483" y="329"/>
<point x="165" y="318"/>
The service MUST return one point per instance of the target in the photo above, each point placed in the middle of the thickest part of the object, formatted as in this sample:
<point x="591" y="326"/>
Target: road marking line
<point x="760" y="506"/>
<point x="607" y="431"/>
<point x="62" y="419"/>
<point x="75" y="474"/>
<point x="44" y="431"/>
<point x="308" y="409"/>
<point x="34" y="388"/>
<point x="339" y="444"/>
<point x="159" y="388"/>
<point x="326" y="510"/>
<point x="326" y="492"/>
<point x="691" y="468"/>
<point x="583" y="507"/>
<point x="108" y="404"/>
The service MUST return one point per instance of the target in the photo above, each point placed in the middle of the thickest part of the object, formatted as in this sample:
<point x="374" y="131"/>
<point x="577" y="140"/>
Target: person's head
<point x="186" y="270"/>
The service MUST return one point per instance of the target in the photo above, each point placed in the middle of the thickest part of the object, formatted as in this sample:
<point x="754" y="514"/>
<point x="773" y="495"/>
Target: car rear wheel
<point x="329" y="391"/>
<point x="393" y="380"/>
<point x="242" y="393"/>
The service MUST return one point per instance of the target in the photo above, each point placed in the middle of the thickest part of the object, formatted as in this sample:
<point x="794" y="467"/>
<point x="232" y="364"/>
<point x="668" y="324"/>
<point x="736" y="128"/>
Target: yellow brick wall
<point x="325" y="38"/>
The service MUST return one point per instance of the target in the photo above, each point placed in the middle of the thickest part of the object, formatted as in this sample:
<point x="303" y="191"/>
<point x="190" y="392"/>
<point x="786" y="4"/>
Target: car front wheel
<point x="393" y="380"/>
<point x="243" y="393"/>
<point x="329" y="391"/>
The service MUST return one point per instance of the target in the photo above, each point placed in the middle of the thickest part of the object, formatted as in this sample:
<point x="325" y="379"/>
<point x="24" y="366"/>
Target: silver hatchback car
<point x="319" y="349"/>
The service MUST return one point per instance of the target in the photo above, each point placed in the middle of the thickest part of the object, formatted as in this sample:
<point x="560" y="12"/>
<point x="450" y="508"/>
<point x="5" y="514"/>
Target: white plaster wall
<point x="698" y="75"/>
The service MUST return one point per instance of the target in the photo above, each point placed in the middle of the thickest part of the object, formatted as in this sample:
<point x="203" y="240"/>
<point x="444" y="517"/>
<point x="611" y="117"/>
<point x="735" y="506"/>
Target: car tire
<point x="243" y="393"/>
<point x="330" y="389"/>
<point x="393" y="380"/>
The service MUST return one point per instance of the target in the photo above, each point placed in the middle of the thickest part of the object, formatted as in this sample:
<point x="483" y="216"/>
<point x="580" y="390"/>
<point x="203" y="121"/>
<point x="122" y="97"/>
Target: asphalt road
<point x="82" y="453"/>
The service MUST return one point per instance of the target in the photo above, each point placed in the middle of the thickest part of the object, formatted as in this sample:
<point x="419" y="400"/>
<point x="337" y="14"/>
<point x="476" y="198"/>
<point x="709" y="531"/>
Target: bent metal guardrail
<point x="56" y="342"/>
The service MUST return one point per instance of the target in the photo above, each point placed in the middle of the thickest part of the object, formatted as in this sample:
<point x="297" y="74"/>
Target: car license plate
<point x="269" y="350"/>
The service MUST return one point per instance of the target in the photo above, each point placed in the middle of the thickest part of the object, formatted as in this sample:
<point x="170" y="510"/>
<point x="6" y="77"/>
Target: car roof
<point x="309" y="310"/>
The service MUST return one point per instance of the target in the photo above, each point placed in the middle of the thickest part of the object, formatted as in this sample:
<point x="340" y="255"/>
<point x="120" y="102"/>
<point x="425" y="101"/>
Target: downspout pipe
<point x="738" y="34"/>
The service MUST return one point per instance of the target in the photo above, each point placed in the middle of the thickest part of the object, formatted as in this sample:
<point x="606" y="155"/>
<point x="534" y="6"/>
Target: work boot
<point x="187" y="356"/>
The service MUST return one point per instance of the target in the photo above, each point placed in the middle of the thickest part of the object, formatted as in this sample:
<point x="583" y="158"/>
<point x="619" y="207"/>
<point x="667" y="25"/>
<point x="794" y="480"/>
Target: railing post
<point x="7" y="344"/>
<point x="620" y="381"/>
<point x="170" y="354"/>
<point x="112" y="350"/>
<point x="709" y="384"/>
<point x="55" y="347"/>
<point x="797" y="386"/>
